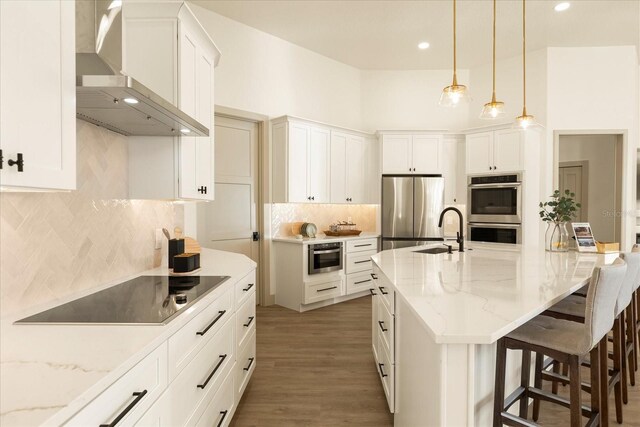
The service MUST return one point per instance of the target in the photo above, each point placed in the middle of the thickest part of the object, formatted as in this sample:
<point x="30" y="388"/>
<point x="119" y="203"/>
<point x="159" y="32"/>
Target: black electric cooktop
<point x="147" y="300"/>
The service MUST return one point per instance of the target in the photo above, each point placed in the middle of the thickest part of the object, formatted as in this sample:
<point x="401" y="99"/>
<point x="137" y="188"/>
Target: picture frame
<point x="585" y="241"/>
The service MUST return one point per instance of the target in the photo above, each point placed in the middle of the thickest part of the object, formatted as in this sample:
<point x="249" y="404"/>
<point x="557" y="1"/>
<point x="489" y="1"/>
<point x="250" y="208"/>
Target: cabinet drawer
<point x="384" y="289"/>
<point x="220" y="411"/>
<point x="362" y="245"/>
<point x="245" y="320"/>
<point x="245" y="287"/>
<point x="360" y="261"/>
<point x="130" y="396"/>
<point x="386" y="372"/>
<point x="202" y="376"/>
<point x="314" y="292"/>
<point x="185" y="344"/>
<point x="245" y="365"/>
<point x="359" y="282"/>
<point x="386" y="327"/>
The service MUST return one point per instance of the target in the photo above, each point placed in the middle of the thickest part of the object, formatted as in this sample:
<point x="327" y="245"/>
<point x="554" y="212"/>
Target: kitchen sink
<point x="436" y="250"/>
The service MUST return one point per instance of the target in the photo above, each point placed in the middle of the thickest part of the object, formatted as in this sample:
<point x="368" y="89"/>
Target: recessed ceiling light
<point x="423" y="45"/>
<point x="130" y="100"/>
<point x="185" y="130"/>
<point x="562" y="6"/>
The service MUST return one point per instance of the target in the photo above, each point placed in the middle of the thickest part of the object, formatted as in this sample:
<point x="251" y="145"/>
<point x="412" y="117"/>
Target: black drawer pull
<point x="224" y="414"/>
<point x="382" y="291"/>
<point x="380" y="365"/>
<point x="248" y="287"/>
<point x="381" y="324"/>
<point x="374" y="276"/>
<point x="326" y="289"/>
<point x="204" y="331"/>
<point x="251" y="359"/>
<point x="362" y="281"/>
<point x="361" y="262"/>
<point x="361" y="246"/>
<point x="138" y="397"/>
<point x="204" y="384"/>
<point x="372" y="292"/>
<point x="246" y="325"/>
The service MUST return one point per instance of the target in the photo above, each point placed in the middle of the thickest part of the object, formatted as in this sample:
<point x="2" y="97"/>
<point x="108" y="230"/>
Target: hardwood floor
<point x="314" y="369"/>
<point x="317" y="369"/>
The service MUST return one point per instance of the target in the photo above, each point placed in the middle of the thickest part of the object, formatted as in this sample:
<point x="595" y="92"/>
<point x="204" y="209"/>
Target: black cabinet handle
<point x="204" y="384"/>
<point x="19" y="163"/>
<point x="326" y="289"/>
<point x="309" y="198"/>
<point x="246" y="325"/>
<point x="382" y="291"/>
<point x="248" y="287"/>
<point x="372" y="291"/>
<point x="313" y="197"/>
<point x="204" y="331"/>
<point x="374" y="276"/>
<point x="380" y="365"/>
<point x="362" y="281"/>
<point x="202" y="190"/>
<point x="381" y="324"/>
<point x="138" y="397"/>
<point x="224" y="414"/>
<point x="495" y="168"/>
<point x="1" y="159"/>
<point x="361" y="246"/>
<point x="251" y="359"/>
<point x="362" y="262"/>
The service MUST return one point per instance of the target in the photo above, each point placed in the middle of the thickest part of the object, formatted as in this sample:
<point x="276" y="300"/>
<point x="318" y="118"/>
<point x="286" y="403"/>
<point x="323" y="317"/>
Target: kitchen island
<point x="442" y="314"/>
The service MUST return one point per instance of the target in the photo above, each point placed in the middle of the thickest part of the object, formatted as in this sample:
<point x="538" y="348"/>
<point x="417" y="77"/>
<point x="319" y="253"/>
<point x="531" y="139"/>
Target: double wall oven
<point x="495" y="208"/>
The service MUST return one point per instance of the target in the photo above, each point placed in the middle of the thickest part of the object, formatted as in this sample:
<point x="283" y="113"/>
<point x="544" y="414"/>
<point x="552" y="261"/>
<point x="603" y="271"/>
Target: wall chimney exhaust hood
<point x="106" y="97"/>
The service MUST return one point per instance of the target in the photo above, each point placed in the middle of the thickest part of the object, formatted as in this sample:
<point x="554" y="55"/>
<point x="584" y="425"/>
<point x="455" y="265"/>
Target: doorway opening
<point x="591" y="166"/>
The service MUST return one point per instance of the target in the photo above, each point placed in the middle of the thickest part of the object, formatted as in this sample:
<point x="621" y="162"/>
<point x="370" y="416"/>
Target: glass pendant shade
<point x="493" y="110"/>
<point x="525" y="121"/>
<point x="454" y="95"/>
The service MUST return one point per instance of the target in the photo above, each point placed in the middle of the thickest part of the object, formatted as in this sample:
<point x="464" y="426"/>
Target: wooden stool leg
<point x="634" y="322"/>
<point x="620" y="347"/>
<point x="498" y="398"/>
<point x="595" y="384"/>
<point x="575" y="388"/>
<point x="629" y="339"/>
<point x="525" y="374"/>
<point x="618" y="366"/>
<point x="604" y="382"/>
<point x="556" y="370"/>
<point x="537" y="383"/>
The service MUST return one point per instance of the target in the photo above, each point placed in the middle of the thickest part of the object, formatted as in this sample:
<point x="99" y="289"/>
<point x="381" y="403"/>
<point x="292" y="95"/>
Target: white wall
<point x="263" y="74"/>
<point x="596" y="88"/>
<point x="600" y="152"/>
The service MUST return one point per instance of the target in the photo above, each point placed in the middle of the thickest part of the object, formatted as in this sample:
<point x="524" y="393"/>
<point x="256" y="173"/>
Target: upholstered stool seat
<point x="561" y="335"/>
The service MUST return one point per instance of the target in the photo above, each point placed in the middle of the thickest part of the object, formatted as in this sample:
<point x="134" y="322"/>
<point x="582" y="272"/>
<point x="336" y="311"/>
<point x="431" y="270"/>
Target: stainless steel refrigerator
<point x="411" y="207"/>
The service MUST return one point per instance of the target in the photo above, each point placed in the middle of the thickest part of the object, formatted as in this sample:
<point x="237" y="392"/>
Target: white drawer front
<point x="384" y="289"/>
<point x="386" y="372"/>
<point x="246" y="320"/>
<point x="220" y="411"/>
<point x="386" y="326"/>
<point x="185" y="344"/>
<point x="362" y="245"/>
<point x="360" y="261"/>
<point x="359" y="282"/>
<point x="245" y="366"/>
<point x="130" y="396"/>
<point x="314" y="292"/>
<point x="245" y="287"/>
<point x="203" y="375"/>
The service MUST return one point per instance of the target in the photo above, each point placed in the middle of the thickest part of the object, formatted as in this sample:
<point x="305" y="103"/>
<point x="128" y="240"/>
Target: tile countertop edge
<point x="214" y="266"/>
<point x="321" y="238"/>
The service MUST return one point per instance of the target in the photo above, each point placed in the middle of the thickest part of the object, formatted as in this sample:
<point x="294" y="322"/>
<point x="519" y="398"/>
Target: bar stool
<point x="566" y="342"/>
<point x="573" y="308"/>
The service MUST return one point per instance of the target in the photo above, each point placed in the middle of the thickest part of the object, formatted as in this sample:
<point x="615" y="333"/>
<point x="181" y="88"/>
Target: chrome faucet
<point x="459" y="234"/>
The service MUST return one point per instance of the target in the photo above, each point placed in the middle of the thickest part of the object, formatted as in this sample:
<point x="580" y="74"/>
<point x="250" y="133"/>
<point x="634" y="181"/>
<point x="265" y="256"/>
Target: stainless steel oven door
<point x="495" y="233"/>
<point x="325" y="257"/>
<point x="496" y="203"/>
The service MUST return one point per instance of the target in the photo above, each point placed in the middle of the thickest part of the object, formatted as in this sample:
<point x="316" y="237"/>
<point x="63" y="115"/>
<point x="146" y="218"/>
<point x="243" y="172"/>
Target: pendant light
<point x="455" y="94"/>
<point x="493" y="109"/>
<point x="524" y="120"/>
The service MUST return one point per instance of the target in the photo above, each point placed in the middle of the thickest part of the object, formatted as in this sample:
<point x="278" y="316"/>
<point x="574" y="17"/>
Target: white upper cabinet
<point x="412" y="154"/>
<point x="495" y="151"/>
<point x="168" y="50"/>
<point x="347" y="168"/>
<point x="301" y="163"/>
<point x="37" y="106"/>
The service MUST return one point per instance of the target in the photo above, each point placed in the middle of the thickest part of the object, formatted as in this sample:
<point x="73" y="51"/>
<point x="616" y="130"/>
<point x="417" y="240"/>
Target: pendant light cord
<point x="493" y="97"/>
<point x="455" y="78"/>
<point x="524" y="61"/>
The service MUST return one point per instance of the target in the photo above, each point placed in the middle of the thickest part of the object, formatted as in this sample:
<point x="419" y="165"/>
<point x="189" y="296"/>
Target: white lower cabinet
<point x="320" y="291"/>
<point x="245" y="365"/>
<point x="219" y="412"/>
<point x="383" y="326"/>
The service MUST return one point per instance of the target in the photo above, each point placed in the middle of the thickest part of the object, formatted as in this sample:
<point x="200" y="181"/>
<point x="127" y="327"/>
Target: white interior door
<point x="228" y="223"/>
<point x="571" y="179"/>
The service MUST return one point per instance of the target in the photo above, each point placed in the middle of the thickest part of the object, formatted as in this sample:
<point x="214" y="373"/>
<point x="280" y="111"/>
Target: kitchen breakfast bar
<point x="437" y="317"/>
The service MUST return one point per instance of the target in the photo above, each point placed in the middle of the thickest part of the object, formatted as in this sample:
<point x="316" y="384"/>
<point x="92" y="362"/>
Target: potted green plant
<point x="557" y="212"/>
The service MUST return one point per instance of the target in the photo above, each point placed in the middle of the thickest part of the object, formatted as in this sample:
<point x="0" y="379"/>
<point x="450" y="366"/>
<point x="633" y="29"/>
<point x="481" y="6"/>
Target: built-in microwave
<point x="325" y="257"/>
<point x="495" y="199"/>
<point x="495" y="232"/>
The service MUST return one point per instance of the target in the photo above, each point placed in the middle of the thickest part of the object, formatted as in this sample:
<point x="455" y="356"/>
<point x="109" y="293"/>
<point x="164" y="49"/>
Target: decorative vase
<point x="557" y="237"/>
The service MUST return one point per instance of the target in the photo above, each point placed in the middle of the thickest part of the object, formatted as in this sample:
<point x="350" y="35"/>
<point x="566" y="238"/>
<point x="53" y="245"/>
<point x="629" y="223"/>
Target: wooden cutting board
<point x="191" y="246"/>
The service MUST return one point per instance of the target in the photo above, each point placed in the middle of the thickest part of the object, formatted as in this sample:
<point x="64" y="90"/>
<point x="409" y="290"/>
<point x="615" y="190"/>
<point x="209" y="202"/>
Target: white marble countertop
<point x="321" y="238"/>
<point x="49" y="372"/>
<point x="480" y="295"/>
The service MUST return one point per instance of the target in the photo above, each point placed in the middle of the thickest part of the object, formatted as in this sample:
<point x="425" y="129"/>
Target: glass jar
<point x="557" y="237"/>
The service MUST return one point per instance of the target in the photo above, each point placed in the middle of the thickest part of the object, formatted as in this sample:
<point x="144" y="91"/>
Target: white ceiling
<point x="384" y="34"/>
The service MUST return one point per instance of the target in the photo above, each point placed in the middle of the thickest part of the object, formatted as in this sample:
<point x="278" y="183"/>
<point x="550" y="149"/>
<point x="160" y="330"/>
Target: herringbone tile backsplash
<point x="322" y="215"/>
<point x="55" y="244"/>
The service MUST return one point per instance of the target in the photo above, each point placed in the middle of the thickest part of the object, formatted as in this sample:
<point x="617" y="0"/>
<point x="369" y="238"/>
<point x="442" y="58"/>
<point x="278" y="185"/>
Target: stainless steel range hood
<point x="106" y="97"/>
